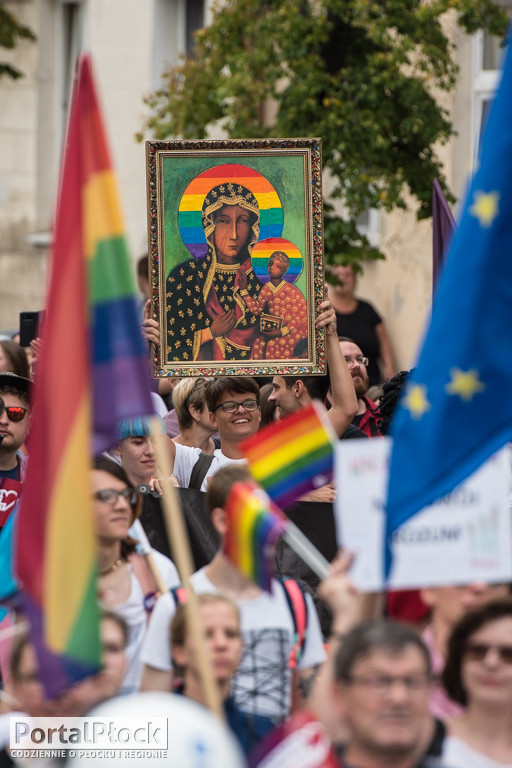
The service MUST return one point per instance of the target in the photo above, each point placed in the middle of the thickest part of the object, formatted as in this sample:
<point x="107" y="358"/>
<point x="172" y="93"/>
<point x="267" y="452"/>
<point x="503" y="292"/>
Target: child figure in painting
<point x="282" y="310"/>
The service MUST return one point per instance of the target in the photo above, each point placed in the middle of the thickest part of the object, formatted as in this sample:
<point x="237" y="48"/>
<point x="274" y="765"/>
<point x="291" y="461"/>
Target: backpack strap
<point x="296" y="599"/>
<point x="199" y="470"/>
<point x="146" y="580"/>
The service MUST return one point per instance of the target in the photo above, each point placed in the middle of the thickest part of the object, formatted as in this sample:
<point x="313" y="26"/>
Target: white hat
<point x="195" y="736"/>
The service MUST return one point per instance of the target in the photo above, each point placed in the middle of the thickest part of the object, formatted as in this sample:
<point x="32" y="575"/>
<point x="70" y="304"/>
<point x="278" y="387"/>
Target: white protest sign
<point x="465" y="536"/>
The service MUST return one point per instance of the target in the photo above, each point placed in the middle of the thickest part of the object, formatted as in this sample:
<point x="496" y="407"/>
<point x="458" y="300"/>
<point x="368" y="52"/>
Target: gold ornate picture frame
<point x="236" y="256"/>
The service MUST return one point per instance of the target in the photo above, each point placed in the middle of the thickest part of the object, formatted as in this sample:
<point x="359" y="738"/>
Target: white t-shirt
<point x="158" y="405"/>
<point x="133" y="612"/>
<point x="186" y="457"/>
<point x="262" y="684"/>
<point x="457" y="754"/>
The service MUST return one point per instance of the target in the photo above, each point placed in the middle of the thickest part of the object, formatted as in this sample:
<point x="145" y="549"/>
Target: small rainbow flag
<point x="254" y="527"/>
<point x="292" y="456"/>
<point x="93" y="371"/>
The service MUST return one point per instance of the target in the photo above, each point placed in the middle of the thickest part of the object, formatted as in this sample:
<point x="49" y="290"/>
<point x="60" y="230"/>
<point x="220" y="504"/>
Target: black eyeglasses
<point x="478" y="652"/>
<point x="231" y="406"/>
<point x="111" y="497"/>
<point x="14" y="412"/>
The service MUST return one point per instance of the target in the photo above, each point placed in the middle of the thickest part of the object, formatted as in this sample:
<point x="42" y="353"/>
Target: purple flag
<point x="443" y="225"/>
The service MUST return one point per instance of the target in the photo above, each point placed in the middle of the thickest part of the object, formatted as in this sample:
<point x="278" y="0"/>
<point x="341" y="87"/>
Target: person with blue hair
<point x="136" y="451"/>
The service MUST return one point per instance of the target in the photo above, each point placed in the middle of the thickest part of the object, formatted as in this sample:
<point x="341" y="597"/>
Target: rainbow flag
<point x="254" y="526"/>
<point x="92" y="372"/>
<point x="292" y="456"/>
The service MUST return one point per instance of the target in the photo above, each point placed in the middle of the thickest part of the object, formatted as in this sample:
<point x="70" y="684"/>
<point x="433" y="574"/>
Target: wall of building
<point x="401" y="287"/>
<point x="131" y="43"/>
<point x="22" y="269"/>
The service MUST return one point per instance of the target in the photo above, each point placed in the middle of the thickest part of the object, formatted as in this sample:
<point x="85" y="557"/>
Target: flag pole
<point x="305" y="549"/>
<point x="177" y="534"/>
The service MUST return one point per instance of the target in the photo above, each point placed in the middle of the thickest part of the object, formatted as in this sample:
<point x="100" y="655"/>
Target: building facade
<point x="131" y="42"/>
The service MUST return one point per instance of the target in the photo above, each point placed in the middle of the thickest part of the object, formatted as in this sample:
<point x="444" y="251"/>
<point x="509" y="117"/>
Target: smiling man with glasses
<point x="14" y="426"/>
<point x="233" y="404"/>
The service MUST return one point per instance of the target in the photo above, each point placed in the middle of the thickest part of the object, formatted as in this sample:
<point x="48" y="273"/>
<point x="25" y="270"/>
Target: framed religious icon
<point x="236" y="255"/>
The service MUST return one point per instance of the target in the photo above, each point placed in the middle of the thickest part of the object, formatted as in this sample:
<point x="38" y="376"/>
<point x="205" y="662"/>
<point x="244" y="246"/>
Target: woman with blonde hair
<point x="220" y="620"/>
<point x="196" y="429"/>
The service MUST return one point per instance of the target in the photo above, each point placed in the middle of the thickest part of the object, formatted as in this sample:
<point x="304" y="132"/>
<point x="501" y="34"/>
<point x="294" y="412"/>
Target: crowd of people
<point x="407" y="681"/>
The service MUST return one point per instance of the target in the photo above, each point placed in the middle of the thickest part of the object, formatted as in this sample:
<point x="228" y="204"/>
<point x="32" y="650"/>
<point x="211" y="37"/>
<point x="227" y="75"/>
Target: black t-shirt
<point x="11" y="474"/>
<point x="360" y="326"/>
<point x="352" y="432"/>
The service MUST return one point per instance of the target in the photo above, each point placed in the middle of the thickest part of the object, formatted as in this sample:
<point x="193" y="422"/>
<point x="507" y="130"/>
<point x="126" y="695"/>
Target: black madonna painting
<point x="236" y="256"/>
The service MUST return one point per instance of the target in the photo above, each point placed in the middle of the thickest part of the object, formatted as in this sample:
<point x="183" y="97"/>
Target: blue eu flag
<point x="456" y="410"/>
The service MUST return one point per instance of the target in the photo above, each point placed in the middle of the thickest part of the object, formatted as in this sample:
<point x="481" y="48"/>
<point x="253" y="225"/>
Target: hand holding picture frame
<point x="236" y="256"/>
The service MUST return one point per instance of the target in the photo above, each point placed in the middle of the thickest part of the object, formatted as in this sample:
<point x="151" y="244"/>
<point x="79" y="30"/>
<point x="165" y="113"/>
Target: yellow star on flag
<point x="416" y="400"/>
<point x="485" y="207"/>
<point x="465" y="384"/>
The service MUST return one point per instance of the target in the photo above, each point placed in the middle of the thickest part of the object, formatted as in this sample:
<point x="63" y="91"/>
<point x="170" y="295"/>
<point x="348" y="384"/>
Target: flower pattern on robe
<point x="285" y="301"/>
<point x="199" y="290"/>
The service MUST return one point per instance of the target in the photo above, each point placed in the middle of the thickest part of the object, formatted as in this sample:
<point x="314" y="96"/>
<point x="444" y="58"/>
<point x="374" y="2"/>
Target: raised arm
<point x="338" y="592"/>
<point x="343" y="396"/>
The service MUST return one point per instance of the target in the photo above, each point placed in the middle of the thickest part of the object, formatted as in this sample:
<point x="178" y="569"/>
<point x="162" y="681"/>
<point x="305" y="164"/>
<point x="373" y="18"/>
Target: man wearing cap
<point x="14" y="426"/>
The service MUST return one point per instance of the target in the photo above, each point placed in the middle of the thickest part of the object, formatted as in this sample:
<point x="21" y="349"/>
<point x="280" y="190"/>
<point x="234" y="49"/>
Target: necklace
<point x="113" y="567"/>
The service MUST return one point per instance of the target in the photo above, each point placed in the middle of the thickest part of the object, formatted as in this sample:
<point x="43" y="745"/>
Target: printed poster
<point x="463" y="537"/>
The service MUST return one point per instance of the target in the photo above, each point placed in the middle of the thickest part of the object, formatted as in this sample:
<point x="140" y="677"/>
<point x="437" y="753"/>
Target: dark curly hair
<point x="240" y="385"/>
<point x="463" y="631"/>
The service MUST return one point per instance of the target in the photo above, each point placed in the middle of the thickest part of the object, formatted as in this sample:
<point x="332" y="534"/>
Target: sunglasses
<point x="14" y="412"/>
<point x="478" y="652"/>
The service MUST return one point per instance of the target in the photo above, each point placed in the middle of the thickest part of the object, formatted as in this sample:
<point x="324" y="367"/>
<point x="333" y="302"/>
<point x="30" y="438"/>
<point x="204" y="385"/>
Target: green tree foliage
<point x="361" y="74"/>
<point x="11" y="31"/>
